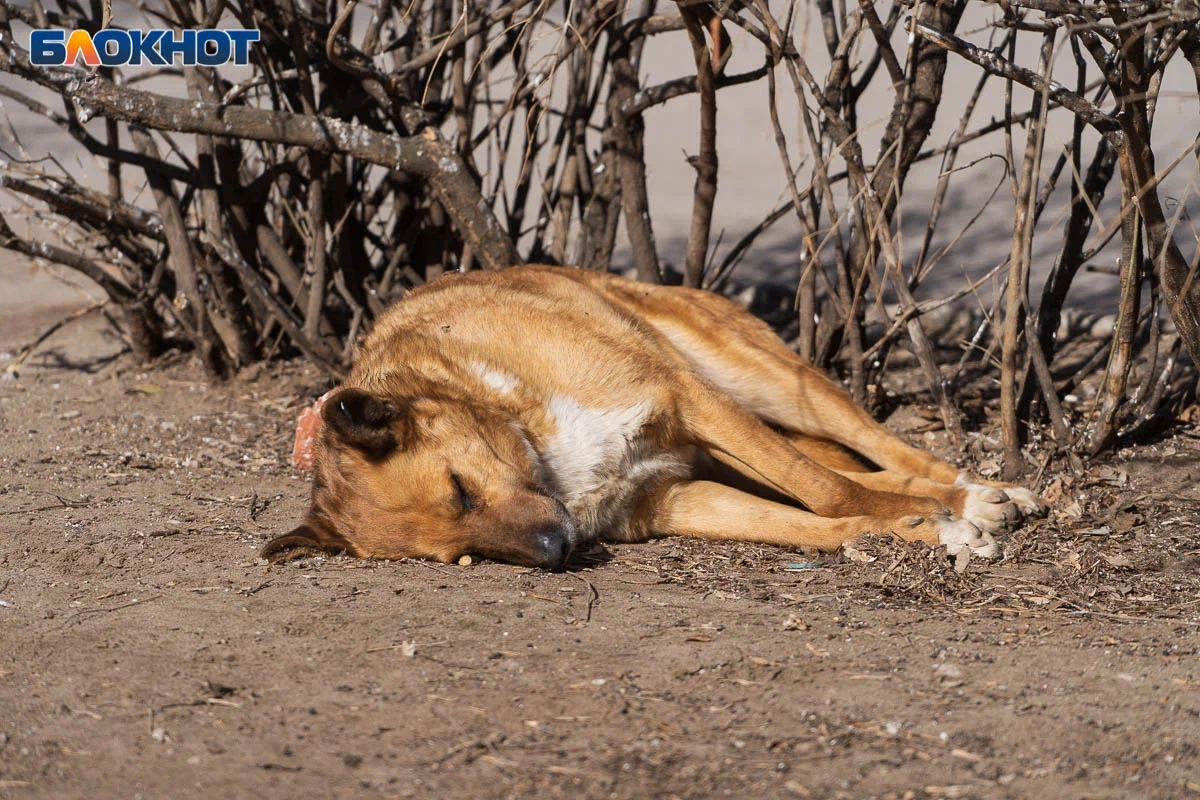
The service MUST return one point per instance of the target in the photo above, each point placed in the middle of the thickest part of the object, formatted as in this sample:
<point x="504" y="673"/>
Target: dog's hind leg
<point x="745" y="360"/>
<point x="815" y="410"/>
<point x="988" y="508"/>
<point x="828" y="454"/>
<point x="777" y="385"/>
<point x="715" y="511"/>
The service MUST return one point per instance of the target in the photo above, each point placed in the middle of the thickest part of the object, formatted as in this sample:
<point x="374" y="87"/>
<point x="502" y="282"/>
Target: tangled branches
<point x="246" y="212"/>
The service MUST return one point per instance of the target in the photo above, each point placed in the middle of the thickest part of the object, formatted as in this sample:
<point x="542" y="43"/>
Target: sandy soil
<point x="149" y="653"/>
<point x="146" y="652"/>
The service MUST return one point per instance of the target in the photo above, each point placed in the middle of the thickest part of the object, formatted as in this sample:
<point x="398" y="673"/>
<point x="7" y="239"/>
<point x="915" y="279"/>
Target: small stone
<point x="854" y="554"/>
<point x="794" y="623"/>
<point x="947" y="671"/>
<point x="465" y="561"/>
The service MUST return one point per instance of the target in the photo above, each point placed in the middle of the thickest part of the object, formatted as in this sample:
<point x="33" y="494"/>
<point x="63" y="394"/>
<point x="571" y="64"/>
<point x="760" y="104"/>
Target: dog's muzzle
<point x="555" y="543"/>
<point x="553" y="548"/>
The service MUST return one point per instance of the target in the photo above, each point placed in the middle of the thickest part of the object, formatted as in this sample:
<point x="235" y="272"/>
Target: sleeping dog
<point x="517" y="415"/>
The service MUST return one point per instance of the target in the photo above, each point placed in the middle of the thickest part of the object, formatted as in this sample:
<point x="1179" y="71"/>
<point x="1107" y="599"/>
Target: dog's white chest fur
<point x="588" y="442"/>
<point x="599" y="463"/>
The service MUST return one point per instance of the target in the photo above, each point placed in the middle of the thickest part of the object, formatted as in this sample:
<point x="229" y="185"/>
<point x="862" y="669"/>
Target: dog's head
<point x="427" y="477"/>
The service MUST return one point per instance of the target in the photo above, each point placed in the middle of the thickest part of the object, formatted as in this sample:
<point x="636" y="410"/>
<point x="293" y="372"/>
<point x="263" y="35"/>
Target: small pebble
<point x="947" y="671"/>
<point x="794" y="623"/>
<point x="465" y="561"/>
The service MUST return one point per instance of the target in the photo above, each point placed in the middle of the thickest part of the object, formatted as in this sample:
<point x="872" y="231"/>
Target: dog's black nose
<point x="551" y="548"/>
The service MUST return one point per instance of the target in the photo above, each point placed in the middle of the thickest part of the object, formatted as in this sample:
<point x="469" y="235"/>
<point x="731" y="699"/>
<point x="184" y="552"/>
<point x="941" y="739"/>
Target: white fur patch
<point x="1030" y="504"/>
<point x="989" y="508"/>
<point x="599" y="465"/>
<point x="1024" y="502"/>
<point x="587" y="442"/>
<point x="958" y="534"/>
<point x="501" y="381"/>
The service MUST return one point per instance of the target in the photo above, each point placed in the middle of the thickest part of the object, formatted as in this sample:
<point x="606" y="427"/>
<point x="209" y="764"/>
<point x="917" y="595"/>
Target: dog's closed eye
<point x="466" y="500"/>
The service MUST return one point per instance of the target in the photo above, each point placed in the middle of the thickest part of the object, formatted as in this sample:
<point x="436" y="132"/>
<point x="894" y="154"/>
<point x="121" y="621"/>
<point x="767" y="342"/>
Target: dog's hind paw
<point x="1029" y="502"/>
<point x="1026" y="503"/>
<point x="959" y="534"/>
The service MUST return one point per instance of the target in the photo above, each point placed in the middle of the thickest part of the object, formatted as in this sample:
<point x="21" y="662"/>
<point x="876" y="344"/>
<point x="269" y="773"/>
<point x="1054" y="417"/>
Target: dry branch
<point x="705" y="162"/>
<point x="1106" y="124"/>
<point x="425" y="154"/>
<point x="371" y="149"/>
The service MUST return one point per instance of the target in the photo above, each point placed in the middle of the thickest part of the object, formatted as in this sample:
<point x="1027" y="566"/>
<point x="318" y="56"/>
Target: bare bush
<point x="370" y="148"/>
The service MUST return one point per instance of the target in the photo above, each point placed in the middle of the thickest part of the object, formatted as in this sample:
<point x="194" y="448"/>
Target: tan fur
<point x="504" y="414"/>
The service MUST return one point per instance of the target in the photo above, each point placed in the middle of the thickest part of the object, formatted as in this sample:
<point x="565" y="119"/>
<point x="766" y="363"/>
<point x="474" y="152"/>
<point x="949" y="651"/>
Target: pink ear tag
<point x="307" y="428"/>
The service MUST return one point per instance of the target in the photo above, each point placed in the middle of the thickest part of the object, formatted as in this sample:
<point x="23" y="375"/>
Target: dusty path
<point x="148" y="652"/>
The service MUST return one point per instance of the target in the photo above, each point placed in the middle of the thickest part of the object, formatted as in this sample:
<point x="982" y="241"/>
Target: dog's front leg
<point x="716" y="511"/>
<point x="740" y="440"/>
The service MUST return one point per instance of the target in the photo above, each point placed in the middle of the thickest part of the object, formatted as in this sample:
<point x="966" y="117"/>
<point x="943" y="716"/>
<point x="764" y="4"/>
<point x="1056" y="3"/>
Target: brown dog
<point x="515" y="415"/>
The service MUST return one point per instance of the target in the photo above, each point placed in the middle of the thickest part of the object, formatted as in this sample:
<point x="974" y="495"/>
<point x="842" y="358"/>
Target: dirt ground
<point x="145" y="651"/>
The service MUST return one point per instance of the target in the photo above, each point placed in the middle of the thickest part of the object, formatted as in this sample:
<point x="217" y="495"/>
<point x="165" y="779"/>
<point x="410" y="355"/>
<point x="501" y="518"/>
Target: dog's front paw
<point x="990" y="509"/>
<point x="959" y="534"/>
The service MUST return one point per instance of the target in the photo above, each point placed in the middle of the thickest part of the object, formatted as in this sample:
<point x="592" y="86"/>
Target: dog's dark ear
<point x="363" y="420"/>
<point x="312" y="534"/>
